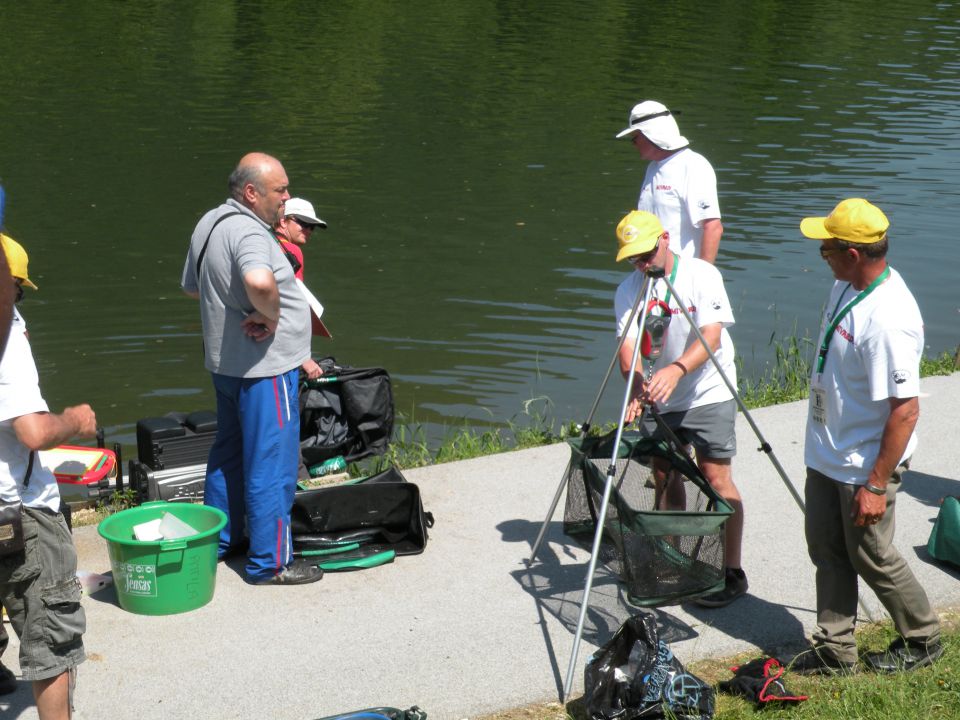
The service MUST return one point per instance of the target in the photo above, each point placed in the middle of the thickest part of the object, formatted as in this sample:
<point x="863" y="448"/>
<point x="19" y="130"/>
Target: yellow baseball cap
<point x="637" y="233"/>
<point x="16" y="259"/>
<point x="853" y="220"/>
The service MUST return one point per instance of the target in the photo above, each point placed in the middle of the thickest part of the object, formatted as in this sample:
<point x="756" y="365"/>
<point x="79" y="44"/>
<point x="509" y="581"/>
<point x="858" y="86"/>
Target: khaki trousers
<point x="841" y="552"/>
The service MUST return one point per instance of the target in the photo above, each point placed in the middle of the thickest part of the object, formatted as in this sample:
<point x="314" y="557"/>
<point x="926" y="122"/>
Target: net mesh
<point x="664" y="540"/>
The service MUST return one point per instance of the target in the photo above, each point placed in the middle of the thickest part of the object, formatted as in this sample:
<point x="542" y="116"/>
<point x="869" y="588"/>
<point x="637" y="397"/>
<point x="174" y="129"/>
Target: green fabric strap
<point x="837" y="317"/>
<point x="673" y="277"/>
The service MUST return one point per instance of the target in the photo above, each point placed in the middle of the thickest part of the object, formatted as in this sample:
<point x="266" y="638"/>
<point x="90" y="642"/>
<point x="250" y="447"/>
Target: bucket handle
<point x="168" y="545"/>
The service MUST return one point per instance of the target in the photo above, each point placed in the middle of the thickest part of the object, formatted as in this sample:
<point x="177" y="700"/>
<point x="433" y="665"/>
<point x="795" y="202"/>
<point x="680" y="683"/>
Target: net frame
<point x="663" y="556"/>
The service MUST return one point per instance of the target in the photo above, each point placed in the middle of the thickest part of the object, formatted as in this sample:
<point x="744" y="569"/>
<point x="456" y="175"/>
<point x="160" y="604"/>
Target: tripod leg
<point x="585" y="427"/>
<point x="602" y="515"/>
<point x="764" y="445"/>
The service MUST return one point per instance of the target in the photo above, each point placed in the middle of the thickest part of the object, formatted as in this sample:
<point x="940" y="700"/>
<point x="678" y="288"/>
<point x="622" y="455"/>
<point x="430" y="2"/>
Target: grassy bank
<point x="931" y="693"/>
<point x="787" y="380"/>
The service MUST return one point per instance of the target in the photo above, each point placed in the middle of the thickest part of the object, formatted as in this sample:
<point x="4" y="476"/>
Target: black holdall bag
<point x="346" y="412"/>
<point x="380" y="516"/>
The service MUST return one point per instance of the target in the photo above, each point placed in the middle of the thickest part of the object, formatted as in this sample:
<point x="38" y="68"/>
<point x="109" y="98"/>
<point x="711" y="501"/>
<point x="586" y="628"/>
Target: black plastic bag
<point x="635" y="675"/>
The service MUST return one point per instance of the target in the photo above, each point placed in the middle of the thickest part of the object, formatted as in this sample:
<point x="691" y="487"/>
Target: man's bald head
<point x="260" y="183"/>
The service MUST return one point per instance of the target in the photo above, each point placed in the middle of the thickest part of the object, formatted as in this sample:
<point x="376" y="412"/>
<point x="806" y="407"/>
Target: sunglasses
<point x="302" y="223"/>
<point x="826" y="252"/>
<point x="645" y="257"/>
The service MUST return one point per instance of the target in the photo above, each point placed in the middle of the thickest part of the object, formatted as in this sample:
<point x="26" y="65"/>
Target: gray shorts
<point x="711" y="429"/>
<point x="39" y="589"/>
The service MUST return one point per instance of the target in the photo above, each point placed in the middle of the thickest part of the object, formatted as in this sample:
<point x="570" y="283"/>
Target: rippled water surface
<point x="463" y="156"/>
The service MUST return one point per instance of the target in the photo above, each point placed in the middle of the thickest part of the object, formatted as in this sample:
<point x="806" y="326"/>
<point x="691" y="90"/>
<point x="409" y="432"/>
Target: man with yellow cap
<point x="864" y="406"/>
<point x="685" y="386"/>
<point x="38" y="585"/>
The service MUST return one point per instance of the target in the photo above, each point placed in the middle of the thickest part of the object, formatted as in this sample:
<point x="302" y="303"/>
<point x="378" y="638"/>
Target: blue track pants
<point x="252" y="469"/>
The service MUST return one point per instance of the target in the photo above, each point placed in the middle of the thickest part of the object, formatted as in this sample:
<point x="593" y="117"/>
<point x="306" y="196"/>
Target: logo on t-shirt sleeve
<point x="703" y="204"/>
<point x="900" y="376"/>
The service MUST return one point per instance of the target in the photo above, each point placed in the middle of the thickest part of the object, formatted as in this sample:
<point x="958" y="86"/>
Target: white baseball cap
<point x="657" y="124"/>
<point x="302" y="210"/>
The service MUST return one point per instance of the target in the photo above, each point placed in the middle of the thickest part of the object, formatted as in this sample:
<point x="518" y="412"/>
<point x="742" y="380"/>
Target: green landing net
<point x="666" y="545"/>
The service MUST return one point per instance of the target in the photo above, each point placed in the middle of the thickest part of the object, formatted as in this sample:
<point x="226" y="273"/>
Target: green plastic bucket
<point x="163" y="577"/>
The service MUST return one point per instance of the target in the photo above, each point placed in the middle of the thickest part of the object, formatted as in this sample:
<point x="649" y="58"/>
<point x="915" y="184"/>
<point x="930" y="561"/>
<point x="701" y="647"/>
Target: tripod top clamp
<point x="655" y="272"/>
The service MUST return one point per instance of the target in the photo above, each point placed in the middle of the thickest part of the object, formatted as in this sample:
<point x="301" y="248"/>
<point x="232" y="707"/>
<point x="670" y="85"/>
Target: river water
<point x="463" y="155"/>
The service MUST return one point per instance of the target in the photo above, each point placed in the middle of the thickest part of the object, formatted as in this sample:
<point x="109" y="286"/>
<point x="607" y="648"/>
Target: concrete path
<point x="465" y="628"/>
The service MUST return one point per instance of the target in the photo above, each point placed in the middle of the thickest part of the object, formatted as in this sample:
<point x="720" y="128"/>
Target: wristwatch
<point x="875" y="490"/>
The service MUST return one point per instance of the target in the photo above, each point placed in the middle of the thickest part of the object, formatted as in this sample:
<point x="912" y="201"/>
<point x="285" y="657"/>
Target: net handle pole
<point x="604" y="504"/>
<point x="765" y="447"/>
<point x="585" y="426"/>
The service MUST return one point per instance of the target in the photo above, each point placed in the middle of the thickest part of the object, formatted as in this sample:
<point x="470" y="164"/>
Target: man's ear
<point x="250" y="192"/>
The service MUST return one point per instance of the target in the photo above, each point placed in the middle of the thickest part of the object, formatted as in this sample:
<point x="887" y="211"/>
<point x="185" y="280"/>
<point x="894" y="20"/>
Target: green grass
<point x="931" y="693"/>
<point x="787" y="380"/>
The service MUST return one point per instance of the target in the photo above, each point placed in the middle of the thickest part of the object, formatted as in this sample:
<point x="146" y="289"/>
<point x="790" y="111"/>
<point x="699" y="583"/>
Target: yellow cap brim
<point x="813" y="228"/>
<point x="637" y="248"/>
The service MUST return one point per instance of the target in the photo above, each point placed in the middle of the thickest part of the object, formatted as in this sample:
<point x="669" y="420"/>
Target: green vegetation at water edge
<point x="787" y="380"/>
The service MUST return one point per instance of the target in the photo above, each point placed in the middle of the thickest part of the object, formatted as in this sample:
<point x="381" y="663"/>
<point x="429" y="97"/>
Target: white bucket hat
<point x="302" y="209"/>
<point x="656" y="122"/>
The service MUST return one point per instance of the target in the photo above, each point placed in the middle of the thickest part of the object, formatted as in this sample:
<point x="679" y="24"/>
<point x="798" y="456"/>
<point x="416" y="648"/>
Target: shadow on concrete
<point x="928" y="489"/>
<point x="766" y="625"/>
<point x="16" y="703"/>
<point x="106" y="595"/>
<point x="557" y="590"/>
<point x="921" y="552"/>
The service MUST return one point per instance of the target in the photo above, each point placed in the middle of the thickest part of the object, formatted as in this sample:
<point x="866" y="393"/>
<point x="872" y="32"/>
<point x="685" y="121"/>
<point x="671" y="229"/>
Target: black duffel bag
<point x="378" y="515"/>
<point x="346" y="412"/>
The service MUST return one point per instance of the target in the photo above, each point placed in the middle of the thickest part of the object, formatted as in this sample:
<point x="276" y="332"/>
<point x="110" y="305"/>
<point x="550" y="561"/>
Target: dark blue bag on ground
<point x="381" y="713"/>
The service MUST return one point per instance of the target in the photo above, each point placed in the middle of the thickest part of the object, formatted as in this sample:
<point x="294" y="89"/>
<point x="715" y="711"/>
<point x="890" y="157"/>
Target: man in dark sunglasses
<point x="294" y="228"/>
<point x="863" y="411"/>
<point x="684" y="385"/>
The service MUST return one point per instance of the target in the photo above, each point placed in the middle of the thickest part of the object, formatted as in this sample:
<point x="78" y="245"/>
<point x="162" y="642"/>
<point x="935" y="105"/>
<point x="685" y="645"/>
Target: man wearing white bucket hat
<point x="38" y="563"/>
<point x="680" y="186"/>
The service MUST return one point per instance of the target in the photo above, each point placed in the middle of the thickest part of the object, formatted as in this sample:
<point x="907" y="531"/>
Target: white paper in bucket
<point x="148" y="531"/>
<point x="172" y="527"/>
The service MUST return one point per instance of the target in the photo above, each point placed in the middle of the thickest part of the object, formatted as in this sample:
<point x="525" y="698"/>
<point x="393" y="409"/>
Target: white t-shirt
<point x="20" y="395"/>
<point x="874" y="354"/>
<point x="701" y="290"/>
<point x="682" y="192"/>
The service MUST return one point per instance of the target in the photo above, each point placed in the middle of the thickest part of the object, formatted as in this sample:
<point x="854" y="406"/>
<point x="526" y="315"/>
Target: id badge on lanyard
<point x="818" y="395"/>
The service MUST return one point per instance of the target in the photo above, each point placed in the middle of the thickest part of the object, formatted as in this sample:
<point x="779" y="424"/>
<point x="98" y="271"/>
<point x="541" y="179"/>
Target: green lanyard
<point x="837" y="317"/>
<point x="673" y="277"/>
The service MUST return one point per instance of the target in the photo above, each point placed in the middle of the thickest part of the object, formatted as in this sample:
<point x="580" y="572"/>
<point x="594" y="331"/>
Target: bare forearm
<point x="42" y="431"/>
<point x="896" y="434"/>
<point x="263" y="293"/>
